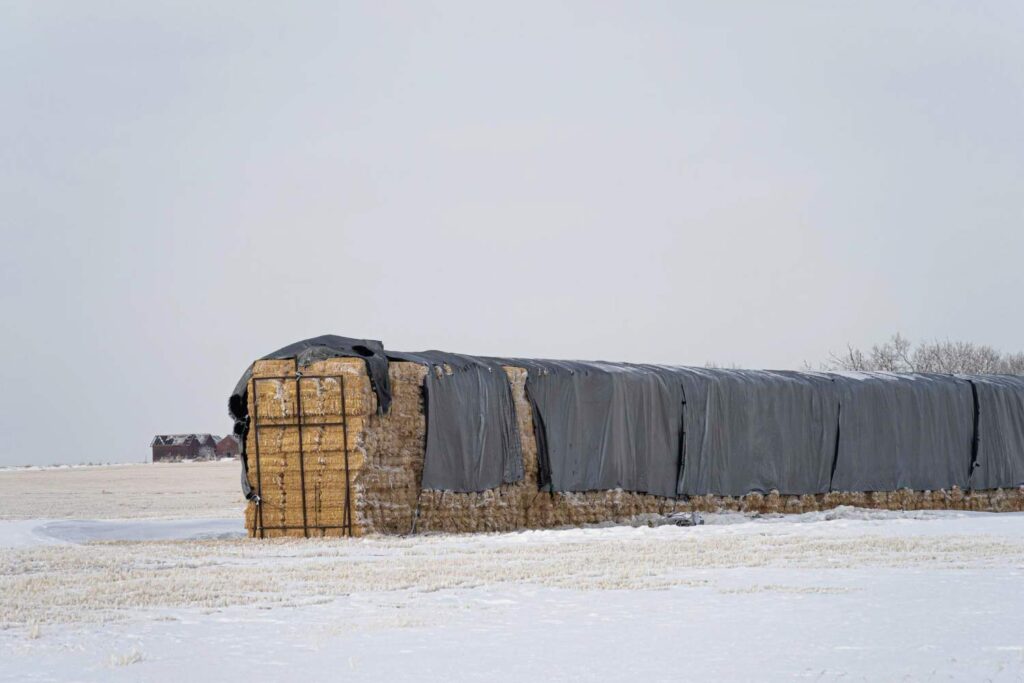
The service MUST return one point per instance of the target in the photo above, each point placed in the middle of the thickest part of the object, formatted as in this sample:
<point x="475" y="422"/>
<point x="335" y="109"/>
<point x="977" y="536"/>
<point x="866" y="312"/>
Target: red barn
<point x="228" y="447"/>
<point x="178" y="447"/>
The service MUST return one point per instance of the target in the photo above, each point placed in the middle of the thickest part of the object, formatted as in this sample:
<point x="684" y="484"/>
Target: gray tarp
<point x="1000" y="451"/>
<point x="472" y="434"/>
<point x="903" y="431"/>
<point x="605" y="426"/>
<point x="762" y="430"/>
<point x="686" y="431"/>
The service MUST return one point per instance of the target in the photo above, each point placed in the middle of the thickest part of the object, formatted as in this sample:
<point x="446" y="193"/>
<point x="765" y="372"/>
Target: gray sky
<point x="189" y="186"/>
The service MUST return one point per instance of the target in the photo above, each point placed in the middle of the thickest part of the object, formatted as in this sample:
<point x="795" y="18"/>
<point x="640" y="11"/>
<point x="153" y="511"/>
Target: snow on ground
<point x="164" y="490"/>
<point x="37" y="532"/>
<point x="841" y="595"/>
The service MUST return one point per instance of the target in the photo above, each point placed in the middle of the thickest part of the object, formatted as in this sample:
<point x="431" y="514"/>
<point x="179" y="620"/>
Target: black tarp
<point x="1000" y="446"/>
<point x="903" y="431"/>
<point x="472" y="435"/>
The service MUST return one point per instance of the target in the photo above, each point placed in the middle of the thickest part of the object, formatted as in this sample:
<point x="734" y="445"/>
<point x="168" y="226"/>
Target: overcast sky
<point x="189" y="186"/>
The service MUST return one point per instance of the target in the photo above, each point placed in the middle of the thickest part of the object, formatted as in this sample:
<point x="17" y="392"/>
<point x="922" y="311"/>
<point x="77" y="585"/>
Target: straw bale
<point x="283" y="441"/>
<point x="273" y="368"/>
<point x="321" y="397"/>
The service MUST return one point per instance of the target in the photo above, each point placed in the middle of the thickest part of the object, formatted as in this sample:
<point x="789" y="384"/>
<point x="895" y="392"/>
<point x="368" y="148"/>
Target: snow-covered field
<point x="178" y="591"/>
<point x="155" y="490"/>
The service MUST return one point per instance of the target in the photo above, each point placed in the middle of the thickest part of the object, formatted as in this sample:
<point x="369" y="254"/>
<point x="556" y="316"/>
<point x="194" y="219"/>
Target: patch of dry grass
<point x="105" y="581"/>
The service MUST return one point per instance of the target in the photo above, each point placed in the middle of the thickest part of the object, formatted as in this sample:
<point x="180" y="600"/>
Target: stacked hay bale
<point x="303" y="490"/>
<point x="385" y="456"/>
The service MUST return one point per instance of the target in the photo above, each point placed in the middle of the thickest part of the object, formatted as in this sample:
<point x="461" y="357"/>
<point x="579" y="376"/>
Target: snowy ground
<point x="844" y="595"/>
<point x="163" y="490"/>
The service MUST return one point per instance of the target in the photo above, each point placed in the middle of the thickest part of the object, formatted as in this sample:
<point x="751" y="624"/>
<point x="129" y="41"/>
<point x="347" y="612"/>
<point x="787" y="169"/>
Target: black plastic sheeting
<point x="999" y="460"/>
<point x="676" y="431"/>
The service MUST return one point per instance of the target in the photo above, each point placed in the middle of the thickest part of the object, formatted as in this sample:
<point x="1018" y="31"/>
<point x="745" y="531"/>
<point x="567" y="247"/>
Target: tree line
<point x="899" y="354"/>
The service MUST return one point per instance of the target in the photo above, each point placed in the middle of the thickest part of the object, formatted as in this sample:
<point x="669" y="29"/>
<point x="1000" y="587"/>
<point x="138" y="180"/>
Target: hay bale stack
<point x="385" y="467"/>
<point x="303" y="487"/>
<point x="386" y="488"/>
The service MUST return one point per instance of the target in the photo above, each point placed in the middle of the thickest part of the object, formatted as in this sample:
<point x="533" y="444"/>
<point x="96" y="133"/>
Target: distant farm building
<point x="228" y="447"/>
<point x="178" y="447"/>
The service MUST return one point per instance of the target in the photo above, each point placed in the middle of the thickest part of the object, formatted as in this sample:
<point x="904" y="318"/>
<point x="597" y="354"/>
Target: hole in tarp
<point x="362" y="350"/>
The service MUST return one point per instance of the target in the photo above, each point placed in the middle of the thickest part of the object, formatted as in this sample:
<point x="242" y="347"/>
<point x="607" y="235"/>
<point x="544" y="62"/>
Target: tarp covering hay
<point x="472" y="435"/>
<point x="999" y="414"/>
<point x="342" y="437"/>
<point x="760" y="431"/>
<point x="905" y="432"/>
<point x="606" y="426"/>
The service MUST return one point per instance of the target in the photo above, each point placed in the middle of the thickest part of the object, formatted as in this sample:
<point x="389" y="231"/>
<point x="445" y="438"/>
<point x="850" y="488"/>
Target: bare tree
<point x="714" y="365"/>
<point x="956" y="357"/>
<point x="894" y="355"/>
<point x="852" y="359"/>
<point x="1012" y="364"/>
<point x="898" y="354"/>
